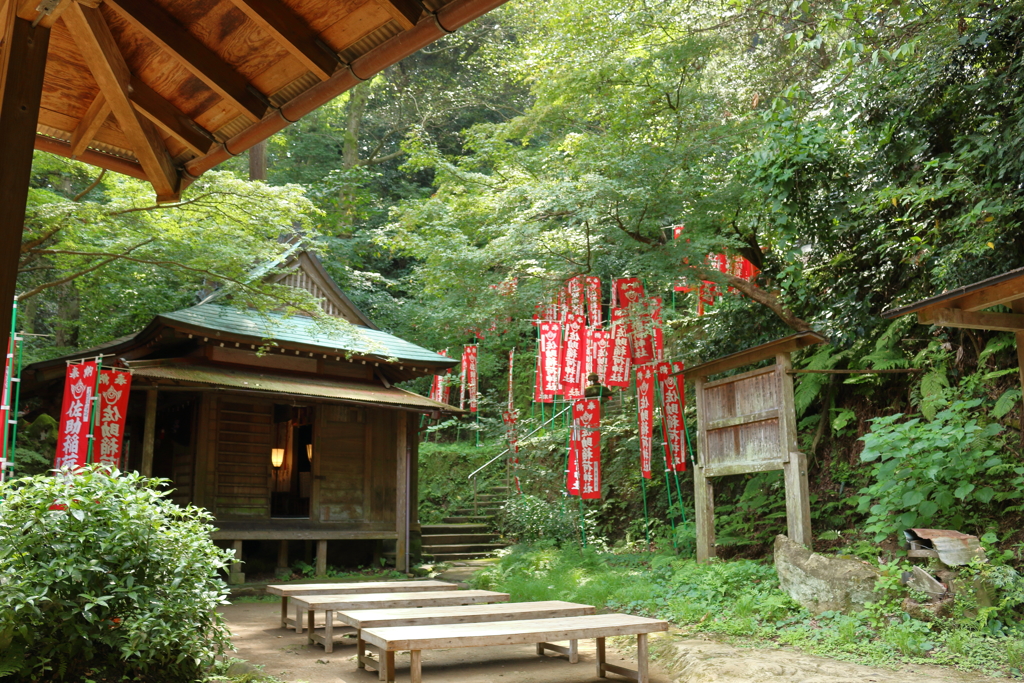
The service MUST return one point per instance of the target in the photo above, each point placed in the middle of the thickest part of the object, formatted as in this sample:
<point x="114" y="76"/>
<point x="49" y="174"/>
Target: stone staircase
<point x="467" y="534"/>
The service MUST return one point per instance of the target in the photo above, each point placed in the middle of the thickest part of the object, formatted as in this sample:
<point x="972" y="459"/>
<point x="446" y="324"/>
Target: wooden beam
<point x="149" y="433"/>
<point x="401" y="492"/>
<point x="292" y="33"/>
<point x="405" y="12"/>
<point x="756" y="354"/>
<point x="955" y="317"/>
<point x="168" y="118"/>
<point x="1001" y="293"/>
<point x="22" y="65"/>
<point x="27" y="10"/>
<point x="92" y="35"/>
<point x="98" y="159"/>
<point x="95" y="116"/>
<point x="204" y="63"/>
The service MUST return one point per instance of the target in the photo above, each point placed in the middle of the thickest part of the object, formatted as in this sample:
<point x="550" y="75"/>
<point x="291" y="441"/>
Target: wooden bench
<point x="287" y="590"/>
<point x="466" y="614"/>
<point x="339" y="603"/>
<point x="415" y="639"/>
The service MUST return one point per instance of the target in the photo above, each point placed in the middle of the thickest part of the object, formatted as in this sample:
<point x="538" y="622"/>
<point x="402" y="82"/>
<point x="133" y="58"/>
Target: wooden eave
<point x="962" y="307"/>
<point x="755" y="354"/>
<point x="164" y="90"/>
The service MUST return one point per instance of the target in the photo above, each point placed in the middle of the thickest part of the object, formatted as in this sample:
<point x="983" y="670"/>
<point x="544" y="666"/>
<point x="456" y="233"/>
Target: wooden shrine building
<point x="215" y="389"/>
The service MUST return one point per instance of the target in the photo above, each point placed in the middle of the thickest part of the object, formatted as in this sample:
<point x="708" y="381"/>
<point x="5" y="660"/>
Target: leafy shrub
<point x="944" y="473"/>
<point x="529" y="519"/>
<point x="104" y="578"/>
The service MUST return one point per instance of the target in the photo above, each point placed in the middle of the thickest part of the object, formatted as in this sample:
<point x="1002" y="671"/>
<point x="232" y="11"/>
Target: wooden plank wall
<point x="383" y="474"/>
<point x="740" y="398"/>
<point x="341" y="435"/>
<point x="244" y="432"/>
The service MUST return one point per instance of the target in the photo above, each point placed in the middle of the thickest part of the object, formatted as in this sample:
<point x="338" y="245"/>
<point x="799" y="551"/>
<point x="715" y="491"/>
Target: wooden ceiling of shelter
<point x="145" y="87"/>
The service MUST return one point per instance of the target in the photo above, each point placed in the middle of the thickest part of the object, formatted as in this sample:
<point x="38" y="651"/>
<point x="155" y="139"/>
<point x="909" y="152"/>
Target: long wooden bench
<point x="466" y="614"/>
<point x="330" y="604"/>
<point x="415" y="639"/>
<point x="287" y="590"/>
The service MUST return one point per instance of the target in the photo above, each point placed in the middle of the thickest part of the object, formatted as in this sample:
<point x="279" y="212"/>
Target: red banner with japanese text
<point x="641" y="332"/>
<point x="576" y="297"/>
<point x="654" y="305"/>
<point x="115" y="386"/>
<point x="587" y="416"/>
<point x="592" y="284"/>
<point x="597" y="355"/>
<point x="538" y="395"/>
<point x="645" y="415"/>
<point x="672" y="418"/>
<point x="551" y="358"/>
<point x="573" y="351"/>
<point x="619" y="361"/>
<point x="572" y="475"/>
<point x="437" y="387"/>
<point x="75" y="416"/>
<point x="628" y="291"/>
<point x="470" y="379"/>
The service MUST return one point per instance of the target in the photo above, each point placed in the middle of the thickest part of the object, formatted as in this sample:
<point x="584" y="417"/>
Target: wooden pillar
<point x="321" y="558"/>
<point x="703" y="492"/>
<point x="22" y="64"/>
<point x="1018" y="307"/>
<point x="149" y="433"/>
<point x="798" y="496"/>
<point x="402" y="494"/>
<point x="282" y="554"/>
<point x="236" y="575"/>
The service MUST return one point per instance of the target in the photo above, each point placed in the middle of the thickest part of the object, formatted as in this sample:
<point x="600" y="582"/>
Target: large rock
<point x="821" y="583"/>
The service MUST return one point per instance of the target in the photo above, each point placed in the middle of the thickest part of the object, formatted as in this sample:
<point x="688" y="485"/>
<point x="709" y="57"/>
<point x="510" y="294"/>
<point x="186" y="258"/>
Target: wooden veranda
<point x="164" y="90"/>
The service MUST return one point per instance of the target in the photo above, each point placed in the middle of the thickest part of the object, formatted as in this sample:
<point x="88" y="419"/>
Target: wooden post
<point x="402" y="495"/>
<point x="600" y="658"/>
<point x="641" y="658"/>
<point x="703" y="492"/>
<point x="236" y="575"/>
<point x="321" y="558"/>
<point x="1018" y="307"/>
<point x="282" y="554"/>
<point x="149" y="433"/>
<point x="415" y="666"/>
<point x="22" y="64"/>
<point x="798" y="497"/>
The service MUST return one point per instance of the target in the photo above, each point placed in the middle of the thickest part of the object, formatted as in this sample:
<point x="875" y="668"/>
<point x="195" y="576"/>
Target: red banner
<point x="628" y="291"/>
<point x="672" y="418"/>
<point x="551" y="358"/>
<point x="659" y="335"/>
<point x="645" y="415"/>
<point x="599" y="341"/>
<point x="6" y="409"/>
<point x="573" y="351"/>
<point x="592" y="284"/>
<point x="575" y="295"/>
<point x="76" y="415"/>
<point x="619" y="361"/>
<point x="587" y="415"/>
<point x="641" y="333"/>
<point x="572" y="478"/>
<point x="470" y="380"/>
<point x="115" y="386"/>
<point x="437" y="387"/>
<point x="538" y="395"/>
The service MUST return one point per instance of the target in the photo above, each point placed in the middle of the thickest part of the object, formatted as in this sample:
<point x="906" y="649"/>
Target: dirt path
<point x="285" y="654"/>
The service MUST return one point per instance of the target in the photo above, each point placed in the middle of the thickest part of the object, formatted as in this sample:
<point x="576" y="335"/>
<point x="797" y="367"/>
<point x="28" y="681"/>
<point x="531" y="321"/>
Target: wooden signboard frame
<point x="747" y="423"/>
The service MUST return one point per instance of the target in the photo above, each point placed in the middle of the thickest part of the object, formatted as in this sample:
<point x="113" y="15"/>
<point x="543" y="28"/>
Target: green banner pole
<point x="11" y="415"/>
<point x="17" y="400"/>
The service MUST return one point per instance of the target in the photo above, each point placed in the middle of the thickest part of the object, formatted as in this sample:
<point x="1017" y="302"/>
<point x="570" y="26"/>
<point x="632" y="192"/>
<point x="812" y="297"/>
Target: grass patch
<point x="742" y="600"/>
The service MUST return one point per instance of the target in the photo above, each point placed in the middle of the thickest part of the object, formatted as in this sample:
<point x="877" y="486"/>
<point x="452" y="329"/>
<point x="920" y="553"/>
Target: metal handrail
<point x="486" y="464"/>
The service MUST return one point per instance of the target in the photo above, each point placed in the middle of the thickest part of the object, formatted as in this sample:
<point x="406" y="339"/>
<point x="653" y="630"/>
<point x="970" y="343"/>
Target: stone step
<point x="454" y="557"/>
<point x="435" y="529"/>
<point x="444" y="539"/>
<point x="481" y="511"/>
<point x="436" y="550"/>
<point x="491" y="497"/>
<point x="467" y="519"/>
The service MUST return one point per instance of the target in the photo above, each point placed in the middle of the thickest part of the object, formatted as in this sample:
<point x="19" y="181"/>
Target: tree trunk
<point x="65" y="330"/>
<point x="258" y="161"/>
<point x="358" y="97"/>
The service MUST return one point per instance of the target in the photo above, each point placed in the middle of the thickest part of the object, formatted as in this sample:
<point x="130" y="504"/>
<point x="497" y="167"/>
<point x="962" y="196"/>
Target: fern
<point x="1000" y="342"/>
<point x="1006" y="403"/>
<point x="809" y="386"/>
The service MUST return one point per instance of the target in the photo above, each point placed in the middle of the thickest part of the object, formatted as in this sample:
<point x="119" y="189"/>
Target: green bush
<point x="104" y="578"/>
<point x="943" y="473"/>
<point x="529" y="519"/>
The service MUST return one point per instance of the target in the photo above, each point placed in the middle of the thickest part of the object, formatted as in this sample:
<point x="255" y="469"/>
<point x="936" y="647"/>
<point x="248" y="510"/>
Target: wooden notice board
<point x="747" y="423"/>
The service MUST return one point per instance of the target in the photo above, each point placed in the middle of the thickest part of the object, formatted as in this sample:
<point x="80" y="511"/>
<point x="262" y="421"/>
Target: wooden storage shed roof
<point x="164" y="90"/>
<point x="962" y="307"/>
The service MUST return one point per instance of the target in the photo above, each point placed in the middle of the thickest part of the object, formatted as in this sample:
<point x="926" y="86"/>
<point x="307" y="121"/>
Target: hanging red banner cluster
<point x="439" y="388"/>
<point x="112" y="406"/>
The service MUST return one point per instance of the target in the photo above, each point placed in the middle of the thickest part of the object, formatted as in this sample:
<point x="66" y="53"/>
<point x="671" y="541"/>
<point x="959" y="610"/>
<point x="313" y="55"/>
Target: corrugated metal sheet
<point x="299" y="329"/>
<point x="279" y="384"/>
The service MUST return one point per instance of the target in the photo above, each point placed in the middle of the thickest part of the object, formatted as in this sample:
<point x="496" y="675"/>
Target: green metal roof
<point x="333" y="388"/>
<point x="300" y="329"/>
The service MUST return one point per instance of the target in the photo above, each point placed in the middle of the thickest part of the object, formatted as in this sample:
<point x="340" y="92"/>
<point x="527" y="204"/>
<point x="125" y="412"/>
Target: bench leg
<point x="329" y="631"/>
<point x="574" y="651"/>
<point x="284" y="611"/>
<point x="311" y="619"/>
<point x="389" y="666"/>
<point x="600" y="658"/>
<point x="298" y="620"/>
<point x="361" y="651"/>
<point x="415" y="667"/>
<point x="540" y="649"/>
<point x="641" y="658"/>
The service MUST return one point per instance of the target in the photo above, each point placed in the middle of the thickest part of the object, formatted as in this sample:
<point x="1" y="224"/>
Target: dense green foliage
<point x="106" y="579"/>
<point x="742" y="599"/>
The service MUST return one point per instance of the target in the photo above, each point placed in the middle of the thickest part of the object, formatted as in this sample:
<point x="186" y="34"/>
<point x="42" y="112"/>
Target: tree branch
<point x="47" y="285"/>
<point x="756" y="294"/>
<point x="92" y="186"/>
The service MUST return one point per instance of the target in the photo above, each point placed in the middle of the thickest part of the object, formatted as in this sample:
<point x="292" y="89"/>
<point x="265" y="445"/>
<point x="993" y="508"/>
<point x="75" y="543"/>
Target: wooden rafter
<point x="955" y="317"/>
<point x="95" y="116"/>
<point x="104" y="59"/>
<point x="27" y="9"/>
<point x="168" y="118"/>
<point x="405" y="12"/>
<point x="204" y="63"/>
<point x="292" y="33"/>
